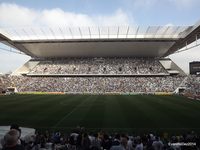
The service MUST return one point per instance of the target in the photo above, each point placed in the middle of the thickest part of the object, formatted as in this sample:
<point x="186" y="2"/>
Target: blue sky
<point x="17" y="13"/>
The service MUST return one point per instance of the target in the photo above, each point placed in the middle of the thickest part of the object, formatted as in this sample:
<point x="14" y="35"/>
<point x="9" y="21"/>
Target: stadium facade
<point x="99" y="59"/>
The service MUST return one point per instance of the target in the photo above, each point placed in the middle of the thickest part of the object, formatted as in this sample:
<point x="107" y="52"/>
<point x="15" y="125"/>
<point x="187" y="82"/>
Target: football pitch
<point x="137" y="113"/>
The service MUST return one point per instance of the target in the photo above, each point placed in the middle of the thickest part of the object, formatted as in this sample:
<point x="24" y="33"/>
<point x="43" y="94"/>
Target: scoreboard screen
<point x="195" y="67"/>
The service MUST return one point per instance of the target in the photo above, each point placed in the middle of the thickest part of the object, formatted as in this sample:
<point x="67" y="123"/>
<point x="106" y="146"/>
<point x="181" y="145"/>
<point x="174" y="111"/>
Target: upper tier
<point x="99" y="66"/>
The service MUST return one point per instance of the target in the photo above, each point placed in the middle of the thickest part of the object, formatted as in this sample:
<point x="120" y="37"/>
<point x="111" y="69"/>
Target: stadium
<point x="108" y="79"/>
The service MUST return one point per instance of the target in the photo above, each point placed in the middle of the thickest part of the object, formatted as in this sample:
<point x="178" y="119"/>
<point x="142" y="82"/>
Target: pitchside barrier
<point x="42" y="93"/>
<point x="106" y="93"/>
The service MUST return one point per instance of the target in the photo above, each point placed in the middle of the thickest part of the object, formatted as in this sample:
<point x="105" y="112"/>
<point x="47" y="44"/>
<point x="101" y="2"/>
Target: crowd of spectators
<point x="192" y="85"/>
<point x="96" y="84"/>
<point x="148" y="75"/>
<point x="99" y="66"/>
<point x="4" y="82"/>
<point x="80" y="139"/>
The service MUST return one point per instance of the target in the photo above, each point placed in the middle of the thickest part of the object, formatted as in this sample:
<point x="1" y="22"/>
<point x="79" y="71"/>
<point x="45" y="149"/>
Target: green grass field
<point x="111" y="113"/>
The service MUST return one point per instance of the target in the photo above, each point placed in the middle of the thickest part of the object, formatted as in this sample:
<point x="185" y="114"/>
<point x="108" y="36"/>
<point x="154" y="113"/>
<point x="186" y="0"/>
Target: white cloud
<point x="12" y="15"/>
<point x="58" y="17"/>
<point x="118" y="18"/>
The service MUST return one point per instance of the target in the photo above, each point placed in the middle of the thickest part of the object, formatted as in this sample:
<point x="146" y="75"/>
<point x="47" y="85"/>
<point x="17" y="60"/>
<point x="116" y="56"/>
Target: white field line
<point x="68" y="114"/>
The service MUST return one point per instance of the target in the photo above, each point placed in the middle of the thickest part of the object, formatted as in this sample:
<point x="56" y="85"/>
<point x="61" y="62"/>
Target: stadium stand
<point x="95" y="75"/>
<point x="4" y="83"/>
<point x="192" y="86"/>
<point x="93" y="66"/>
<point x="100" y="75"/>
<point x="98" y="84"/>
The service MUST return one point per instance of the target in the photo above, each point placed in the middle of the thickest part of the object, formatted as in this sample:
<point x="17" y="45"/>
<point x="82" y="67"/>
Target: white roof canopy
<point x="65" y="33"/>
<point x="118" y="41"/>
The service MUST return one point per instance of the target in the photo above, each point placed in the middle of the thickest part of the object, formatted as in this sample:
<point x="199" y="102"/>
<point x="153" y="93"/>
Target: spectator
<point x="11" y="140"/>
<point x="157" y="144"/>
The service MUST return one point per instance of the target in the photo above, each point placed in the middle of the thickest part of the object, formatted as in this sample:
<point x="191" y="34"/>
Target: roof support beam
<point x="137" y="31"/>
<point x="61" y="32"/>
<point x="188" y="36"/>
<point x="34" y="33"/>
<point x="12" y="51"/>
<point x="176" y="31"/>
<point x="89" y="32"/>
<point x="26" y="33"/>
<point x="80" y="31"/>
<point x="44" y="33"/>
<point x="165" y="31"/>
<point x="146" y="31"/>
<point x="71" y="32"/>
<point x="17" y="46"/>
<point x="7" y="33"/>
<point x="127" y="32"/>
<point x="108" y="32"/>
<point x="17" y="34"/>
<point x="118" y="32"/>
<point x="156" y="32"/>
<point x="99" y="32"/>
<point x="52" y="33"/>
